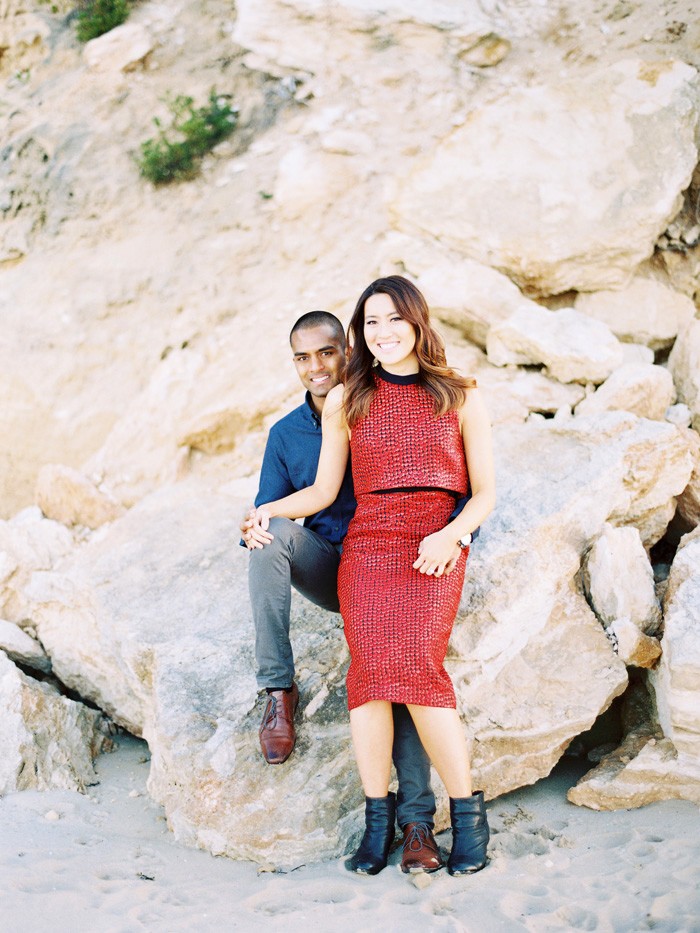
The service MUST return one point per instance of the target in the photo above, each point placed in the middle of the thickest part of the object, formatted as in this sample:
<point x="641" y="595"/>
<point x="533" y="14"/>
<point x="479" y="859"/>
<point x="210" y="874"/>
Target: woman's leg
<point x="441" y="732"/>
<point x="372" y="728"/>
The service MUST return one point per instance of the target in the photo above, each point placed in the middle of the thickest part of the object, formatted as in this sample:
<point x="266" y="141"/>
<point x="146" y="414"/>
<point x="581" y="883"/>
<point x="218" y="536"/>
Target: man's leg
<point x="296" y="557"/>
<point x="300" y="558"/>
<point x="415" y="799"/>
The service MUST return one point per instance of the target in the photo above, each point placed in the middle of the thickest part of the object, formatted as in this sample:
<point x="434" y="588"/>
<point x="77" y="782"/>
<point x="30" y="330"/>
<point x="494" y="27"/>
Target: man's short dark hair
<point x="318" y="319"/>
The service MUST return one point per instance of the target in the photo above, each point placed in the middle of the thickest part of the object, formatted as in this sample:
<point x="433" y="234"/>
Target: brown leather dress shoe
<point x="277" y="735"/>
<point x="420" y="851"/>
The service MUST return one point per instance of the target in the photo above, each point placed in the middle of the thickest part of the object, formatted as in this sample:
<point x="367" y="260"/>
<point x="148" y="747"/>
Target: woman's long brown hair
<point x="447" y="388"/>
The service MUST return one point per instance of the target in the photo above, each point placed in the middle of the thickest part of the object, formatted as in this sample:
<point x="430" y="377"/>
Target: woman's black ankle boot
<point x="380" y="816"/>
<point x="470" y="834"/>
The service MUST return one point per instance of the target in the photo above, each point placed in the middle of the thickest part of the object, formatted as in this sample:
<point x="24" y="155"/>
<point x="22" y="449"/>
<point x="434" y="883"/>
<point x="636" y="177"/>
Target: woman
<point x="419" y="433"/>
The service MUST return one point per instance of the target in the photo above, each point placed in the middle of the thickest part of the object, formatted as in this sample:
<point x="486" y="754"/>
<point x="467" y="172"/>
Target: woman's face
<point x="390" y="338"/>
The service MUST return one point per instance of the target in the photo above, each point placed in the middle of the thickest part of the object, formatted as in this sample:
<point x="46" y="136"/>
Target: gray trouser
<point x="299" y="558"/>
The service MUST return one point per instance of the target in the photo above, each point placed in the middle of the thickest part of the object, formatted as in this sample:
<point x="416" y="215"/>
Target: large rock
<point x="661" y="760"/>
<point x="641" y="388"/>
<point x="152" y="623"/>
<point x="684" y="363"/>
<point x="571" y="346"/>
<point x="150" y="620"/>
<point x="48" y="741"/>
<point x="20" y="647"/>
<point x="645" y="311"/>
<point x="28" y="542"/>
<point x="284" y="33"/>
<point x="525" y="628"/>
<point x="121" y="49"/>
<point x="677" y="680"/>
<point x="594" y="188"/>
<point x="68" y="496"/>
<point x="689" y="500"/>
<point x="619" y="579"/>
<point x="210" y="399"/>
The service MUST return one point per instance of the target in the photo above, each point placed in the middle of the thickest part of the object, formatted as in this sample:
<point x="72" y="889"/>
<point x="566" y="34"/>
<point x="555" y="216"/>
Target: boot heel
<point x="380" y="816"/>
<point x="470" y="834"/>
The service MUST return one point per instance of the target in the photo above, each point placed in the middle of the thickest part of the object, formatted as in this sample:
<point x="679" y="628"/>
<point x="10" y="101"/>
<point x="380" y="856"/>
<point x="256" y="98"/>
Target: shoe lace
<point x="271" y="711"/>
<point x="417" y="837"/>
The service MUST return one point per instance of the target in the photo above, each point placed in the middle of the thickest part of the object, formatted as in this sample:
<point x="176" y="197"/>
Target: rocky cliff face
<point x="534" y="170"/>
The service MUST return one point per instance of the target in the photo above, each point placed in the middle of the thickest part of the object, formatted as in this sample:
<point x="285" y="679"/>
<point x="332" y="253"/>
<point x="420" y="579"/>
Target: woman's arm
<point x="333" y="460"/>
<point x="436" y="550"/>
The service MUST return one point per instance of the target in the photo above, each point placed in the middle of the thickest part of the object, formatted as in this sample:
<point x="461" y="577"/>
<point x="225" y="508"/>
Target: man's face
<point x="319" y="357"/>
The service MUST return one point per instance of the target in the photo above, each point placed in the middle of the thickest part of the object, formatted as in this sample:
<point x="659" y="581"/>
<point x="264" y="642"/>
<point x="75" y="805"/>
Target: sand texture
<point x="108" y="864"/>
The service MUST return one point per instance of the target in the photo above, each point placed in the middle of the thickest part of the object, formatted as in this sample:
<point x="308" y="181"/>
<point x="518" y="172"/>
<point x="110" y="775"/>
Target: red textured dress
<point x="407" y="468"/>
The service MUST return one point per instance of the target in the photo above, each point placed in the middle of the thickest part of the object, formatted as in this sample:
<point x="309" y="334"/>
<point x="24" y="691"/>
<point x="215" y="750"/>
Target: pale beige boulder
<point x="211" y="398"/>
<point x="462" y="293"/>
<point x="644" y="311"/>
<point x="661" y="760"/>
<point x="676" y="682"/>
<point x="636" y="353"/>
<point x="48" y="741"/>
<point x="573" y="348"/>
<point x="69" y="497"/>
<point x="684" y="364"/>
<point x="689" y="499"/>
<point x="20" y="647"/>
<point x="28" y="542"/>
<point x="619" y="579"/>
<point x="643" y="389"/>
<point x="640" y="772"/>
<point x="286" y="35"/>
<point x="679" y="414"/>
<point x="594" y="189"/>
<point x="634" y="647"/>
<point x="151" y="621"/>
<point x="121" y="49"/>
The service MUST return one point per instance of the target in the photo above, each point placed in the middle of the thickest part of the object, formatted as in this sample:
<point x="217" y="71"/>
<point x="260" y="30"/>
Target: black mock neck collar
<point x="410" y="380"/>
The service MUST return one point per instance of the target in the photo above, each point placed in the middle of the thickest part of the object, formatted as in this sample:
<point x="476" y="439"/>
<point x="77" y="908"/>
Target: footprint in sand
<point x="284" y="901"/>
<point x="518" y="845"/>
<point x="89" y="841"/>
<point x="576" y="918"/>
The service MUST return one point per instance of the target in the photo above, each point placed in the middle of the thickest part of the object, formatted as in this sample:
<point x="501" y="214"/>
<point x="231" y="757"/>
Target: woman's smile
<point x="390" y="338"/>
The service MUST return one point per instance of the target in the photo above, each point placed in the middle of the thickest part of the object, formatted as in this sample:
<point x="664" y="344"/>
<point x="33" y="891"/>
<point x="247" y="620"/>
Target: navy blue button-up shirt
<point x="290" y="463"/>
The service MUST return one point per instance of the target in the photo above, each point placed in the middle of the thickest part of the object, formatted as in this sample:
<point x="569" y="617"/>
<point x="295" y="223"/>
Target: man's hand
<point x="254" y="529"/>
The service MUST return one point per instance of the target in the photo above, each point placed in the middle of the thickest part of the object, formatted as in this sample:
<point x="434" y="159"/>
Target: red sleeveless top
<point x="401" y="443"/>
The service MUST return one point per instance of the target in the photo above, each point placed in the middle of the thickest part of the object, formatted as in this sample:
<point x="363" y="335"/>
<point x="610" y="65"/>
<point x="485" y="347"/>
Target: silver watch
<point x="465" y="540"/>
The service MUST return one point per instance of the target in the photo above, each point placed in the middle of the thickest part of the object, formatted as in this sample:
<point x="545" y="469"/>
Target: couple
<point x="419" y="437"/>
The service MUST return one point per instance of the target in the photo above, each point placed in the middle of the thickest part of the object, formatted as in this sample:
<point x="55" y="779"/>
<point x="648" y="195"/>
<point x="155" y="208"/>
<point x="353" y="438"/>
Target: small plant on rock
<point x="177" y="151"/>
<point x="95" y="17"/>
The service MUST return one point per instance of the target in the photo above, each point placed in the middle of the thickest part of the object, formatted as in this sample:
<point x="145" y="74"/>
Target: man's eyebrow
<point x="329" y="346"/>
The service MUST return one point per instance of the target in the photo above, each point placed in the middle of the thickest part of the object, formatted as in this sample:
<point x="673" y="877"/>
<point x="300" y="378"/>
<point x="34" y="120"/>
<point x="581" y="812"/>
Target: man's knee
<point x="282" y="531"/>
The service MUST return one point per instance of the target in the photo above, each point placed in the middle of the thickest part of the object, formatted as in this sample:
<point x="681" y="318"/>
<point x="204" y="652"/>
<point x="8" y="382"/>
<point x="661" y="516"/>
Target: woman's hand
<point x="437" y="554"/>
<point x="254" y="529"/>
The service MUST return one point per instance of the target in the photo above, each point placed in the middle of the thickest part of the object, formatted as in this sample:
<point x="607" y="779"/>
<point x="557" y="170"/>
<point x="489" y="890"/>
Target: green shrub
<point x="96" y="17"/>
<point x="176" y="152"/>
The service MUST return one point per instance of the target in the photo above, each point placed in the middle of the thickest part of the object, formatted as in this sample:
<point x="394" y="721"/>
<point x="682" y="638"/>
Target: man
<point x="307" y="557"/>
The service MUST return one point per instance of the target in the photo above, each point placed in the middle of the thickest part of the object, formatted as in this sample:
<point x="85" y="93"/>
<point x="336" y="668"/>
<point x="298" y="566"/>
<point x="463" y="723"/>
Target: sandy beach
<point x="106" y="862"/>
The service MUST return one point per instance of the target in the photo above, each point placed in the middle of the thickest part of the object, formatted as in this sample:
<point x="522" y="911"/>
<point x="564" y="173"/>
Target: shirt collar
<point x="311" y="410"/>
